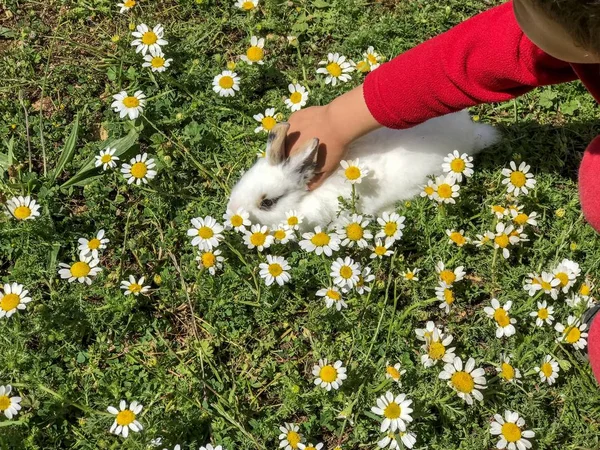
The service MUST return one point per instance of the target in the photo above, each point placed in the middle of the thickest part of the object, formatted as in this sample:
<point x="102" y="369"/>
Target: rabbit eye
<point x="268" y="203"/>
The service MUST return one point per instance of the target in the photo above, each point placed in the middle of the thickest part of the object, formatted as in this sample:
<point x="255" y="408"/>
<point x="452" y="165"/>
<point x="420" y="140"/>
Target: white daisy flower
<point x="148" y="39"/>
<point x="500" y="211"/>
<point x="549" y="369"/>
<point x="467" y="383"/>
<point x="22" y="208"/>
<point x="282" y="233"/>
<point x="457" y="237"/>
<point x="427" y="334"/>
<point x="83" y="270"/>
<point x="12" y="299"/>
<point x="507" y="371"/>
<point x="394" y="372"/>
<point x="9" y="406"/>
<point x="549" y="284"/>
<point x="126" y="418"/>
<point x="293" y="219"/>
<point x="134" y="287"/>
<point x="267" y="120"/>
<point x="318" y="446"/>
<point x="226" y="83"/>
<point x="298" y="97"/>
<point x="361" y="285"/>
<point x="543" y="314"/>
<point x="353" y="171"/>
<point x="353" y="230"/>
<point x="411" y="275"/>
<point x="258" y="237"/>
<point x="519" y="180"/>
<point x="140" y="169"/>
<point x="445" y="295"/>
<point x="449" y="276"/>
<point x="246" y="5"/>
<point x="380" y="250"/>
<point x="436" y="348"/>
<point x="255" y="52"/>
<point x="391" y="225"/>
<point x="574" y="300"/>
<point x="503" y="238"/>
<point x="345" y="272"/>
<point x="504" y="323"/>
<point x="457" y="165"/>
<point x="210" y="260"/>
<point x="107" y="158"/>
<point x="481" y="240"/>
<point x="210" y="447"/>
<point x="533" y="283"/>
<point x="237" y="220"/>
<point x="395" y="411"/>
<point x="329" y="375"/>
<point x="336" y="68"/>
<point x="573" y="333"/>
<point x="129" y="105"/>
<point x="93" y="246"/>
<point x="585" y="289"/>
<point x="289" y="437"/>
<point x="206" y="232"/>
<point x="428" y="190"/>
<point x="320" y="241"/>
<point x="522" y="219"/>
<point x="445" y="189"/>
<point x="511" y="432"/>
<point x="332" y="296"/>
<point x="567" y="272"/>
<point x="126" y="5"/>
<point x="275" y="270"/>
<point x="390" y="440"/>
<point x="156" y="60"/>
<point x="373" y="58"/>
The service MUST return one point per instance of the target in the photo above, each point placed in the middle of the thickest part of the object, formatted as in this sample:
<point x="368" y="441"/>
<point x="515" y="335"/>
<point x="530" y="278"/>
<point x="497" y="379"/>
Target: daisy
<point x="134" y="287"/>
<point x="449" y="276"/>
<point x="14" y="298"/>
<point x="411" y="275"/>
<point x="519" y="180"/>
<point x="468" y="382"/>
<point x="336" y="68"/>
<point x="283" y="234"/>
<point x="289" y="437"/>
<point x="574" y="300"/>
<point x="573" y="333"/>
<point x="345" y="272"/>
<point x="9" y="406"/>
<point x="503" y="238"/>
<point x="365" y="277"/>
<point x="353" y="171"/>
<point x="394" y="372"/>
<point x="481" y="240"/>
<point x="332" y="296"/>
<point x="298" y="97"/>
<point x="428" y="190"/>
<point x="549" y="284"/>
<point x="23" y="208"/>
<point x="353" y="230"/>
<point x="510" y="430"/>
<point x="126" y="5"/>
<point x="391" y="225"/>
<point x="318" y="446"/>
<point x="363" y="66"/>
<point x="156" y="60"/>
<point x="329" y="375"/>
<point x="246" y="5"/>
<point x="500" y="211"/>
<point x="504" y="323"/>
<point x="395" y="411"/>
<point x="237" y="220"/>
<point x="107" y="158"/>
<point x="206" y="232"/>
<point x="521" y="219"/>
<point x="129" y="105"/>
<point x="543" y="314"/>
<point x="126" y="418"/>
<point x="445" y="295"/>
<point x="585" y="289"/>
<point x="140" y="169"/>
<point x="82" y="270"/>
<point x="548" y="370"/>
<point x="226" y="83"/>
<point x="258" y="237"/>
<point x="457" y="165"/>
<point x="507" y="371"/>
<point x="390" y="440"/>
<point x="320" y="242"/>
<point x="373" y="58"/>
<point x="293" y="219"/>
<point x="532" y="284"/>
<point x="427" y="334"/>
<point x="445" y="189"/>
<point x="255" y="52"/>
<point x="380" y="250"/>
<point x="275" y="270"/>
<point x="148" y="39"/>
<point x="92" y="246"/>
<point x="211" y="260"/>
<point x="267" y="120"/>
<point x="457" y="237"/>
<point x="210" y="447"/>
<point x="567" y="272"/>
<point x="436" y="349"/>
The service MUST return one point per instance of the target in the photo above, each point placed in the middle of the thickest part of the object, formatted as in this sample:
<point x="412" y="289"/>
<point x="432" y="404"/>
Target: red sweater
<point x="484" y="59"/>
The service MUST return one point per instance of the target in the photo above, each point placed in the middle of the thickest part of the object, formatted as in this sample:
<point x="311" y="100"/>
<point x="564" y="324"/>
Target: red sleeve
<point x="484" y="59"/>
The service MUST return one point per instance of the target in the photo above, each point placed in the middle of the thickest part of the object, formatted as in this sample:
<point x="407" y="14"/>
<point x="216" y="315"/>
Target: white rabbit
<point x="398" y="161"/>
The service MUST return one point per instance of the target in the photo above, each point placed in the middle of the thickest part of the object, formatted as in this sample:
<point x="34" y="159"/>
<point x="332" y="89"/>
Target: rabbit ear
<point x="276" y="143"/>
<point x="304" y="160"/>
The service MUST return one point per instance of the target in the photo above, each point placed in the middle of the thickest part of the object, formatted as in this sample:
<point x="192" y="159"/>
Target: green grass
<point x="225" y="359"/>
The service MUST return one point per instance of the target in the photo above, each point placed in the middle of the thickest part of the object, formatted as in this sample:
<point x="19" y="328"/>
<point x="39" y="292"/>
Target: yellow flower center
<point x="362" y="66"/>
<point x="346" y="272"/>
<point x="296" y="97"/>
<point x="257" y="239"/>
<point x="205" y="232"/>
<point x="226" y="82"/>
<point x="354" y="231"/>
<point x="334" y="69"/>
<point x="543" y="313"/>
<point x="448" y="296"/>
<point x="447" y="276"/>
<point x="518" y="179"/>
<point x="429" y="190"/>
<point x="498" y="209"/>
<point x="157" y="61"/>
<point x="546" y="369"/>
<point x="372" y="58"/>
<point x="328" y="374"/>
<point x="352" y="173"/>
<point x="444" y="190"/>
<point x="511" y="432"/>
<point x="80" y="269"/>
<point x="131" y="102"/>
<point x="521" y="219"/>
<point x="508" y="372"/>
<point x="9" y="302"/>
<point x="129" y="3"/>
<point x="572" y="335"/>
<point x="275" y="269"/>
<point x="584" y="290"/>
<point x="320" y="239"/>
<point x="149" y="38"/>
<point x="501" y="317"/>
<point x="392" y="411"/>
<point x="458" y="165"/>
<point x="135" y="287"/>
<point x="255" y="54"/>
<point x="563" y="278"/>
<point x="94" y="244"/>
<point x="436" y="350"/>
<point x="4" y="403"/>
<point x="310" y="447"/>
<point x="279" y="235"/>
<point x="380" y="250"/>
<point x="546" y="286"/>
<point x="393" y="372"/>
<point x="293" y="438"/>
<point x="293" y="221"/>
<point x="502" y="240"/>
<point x="268" y="123"/>
<point x="125" y="417"/>
<point x="458" y="238"/>
<point x="390" y="229"/>
<point x="409" y="275"/>
<point x="106" y="159"/>
<point x="360" y="282"/>
<point x="237" y="220"/>
<point x="334" y="295"/>
<point x="22" y="212"/>
<point x="248" y="6"/>
<point x="463" y="382"/>
<point x="208" y="259"/>
<point x="139" y="170"/>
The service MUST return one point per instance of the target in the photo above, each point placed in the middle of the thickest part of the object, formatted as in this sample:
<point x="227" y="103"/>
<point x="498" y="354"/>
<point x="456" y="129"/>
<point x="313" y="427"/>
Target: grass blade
<point x="68" y="151"/>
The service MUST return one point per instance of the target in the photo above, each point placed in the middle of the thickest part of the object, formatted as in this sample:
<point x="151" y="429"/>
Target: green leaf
<point x="68" y="151"/>
<point x="7" y="159"/>
<point x="321" y="4"/>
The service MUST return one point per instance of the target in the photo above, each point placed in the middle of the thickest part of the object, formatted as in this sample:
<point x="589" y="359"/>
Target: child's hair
<point x="581" y="19"/>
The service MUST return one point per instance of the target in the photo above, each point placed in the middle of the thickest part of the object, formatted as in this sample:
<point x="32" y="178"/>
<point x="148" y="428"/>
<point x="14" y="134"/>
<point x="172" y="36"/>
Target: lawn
<point x="224" y="358"/>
